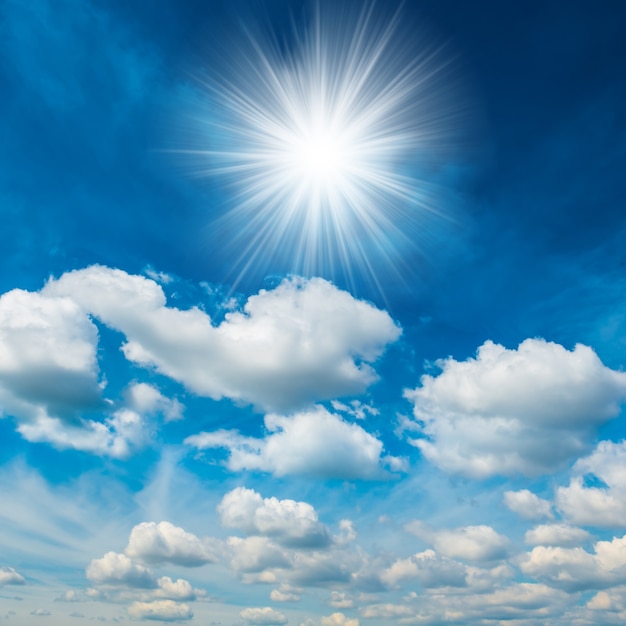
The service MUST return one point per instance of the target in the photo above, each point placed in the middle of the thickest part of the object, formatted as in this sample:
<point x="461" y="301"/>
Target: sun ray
<point x="320" y="141"/>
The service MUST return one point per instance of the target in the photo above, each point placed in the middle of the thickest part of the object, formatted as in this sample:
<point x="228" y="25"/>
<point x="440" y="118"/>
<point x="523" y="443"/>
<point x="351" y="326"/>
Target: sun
<point x="321" y="141"/>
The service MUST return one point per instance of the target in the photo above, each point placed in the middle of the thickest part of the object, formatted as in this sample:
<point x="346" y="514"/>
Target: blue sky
<point x="201" y="427"/>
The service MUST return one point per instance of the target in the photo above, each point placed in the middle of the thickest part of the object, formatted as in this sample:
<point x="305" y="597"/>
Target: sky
<point x="312" y="314"/>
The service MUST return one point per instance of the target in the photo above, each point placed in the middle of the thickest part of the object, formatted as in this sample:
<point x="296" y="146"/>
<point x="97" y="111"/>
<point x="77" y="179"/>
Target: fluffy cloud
<point x="160" y="610"/>
<point x="575" y="569"/>
<point x="312" y="443"/>
<point x="527" y="505"/>
<point x="8" y="576"/>
<point x="603" y="504"/>
<point x="265" y="616"/>
<point x="165" y="543"/>
<point x="338" y="619"/>
<point x="145" y="398"/>
<point x="429" y="568"/>
<point x="47" y="354"/>
<point x="288" y="522"/>
<point x="470" y="543"/>
<point x="525" y="411"/>
<point x="118" y="570"/>
<point x="300" y="342"/>
<point x="556" y="535"/>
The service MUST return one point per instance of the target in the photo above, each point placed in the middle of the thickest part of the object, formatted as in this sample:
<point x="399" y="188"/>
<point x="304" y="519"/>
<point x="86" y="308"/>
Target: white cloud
<point x="298" y="343"/>
<point x="265" y="616"/>
<point x="8" y="576"/>
<point x="386" y="611"/>
<point x="528" y="505"/>
<point x="257" y="554"/>
<point x="556" y="535"/>
<point x="288" y="522"/>
<point x="528" y="410"/>
<point x="469" y="543"/>
<point x="286" y="593"/>
<point x="118" y="570"/>
<point x="145" y="398"/>
<point x="340" y="600"/>
<point x="40" y="612"/>
<point x="47" y="353"/>
<point x="165" y="543"/>
<point x="597" y="505"/>
<point x="338" y="619"/>
<point x="431" y="569"/>
<point x="312" y="443"/>
<point x="575" y="569"/>
<point x="179" y="589"/>
<point x="160" y="610"/>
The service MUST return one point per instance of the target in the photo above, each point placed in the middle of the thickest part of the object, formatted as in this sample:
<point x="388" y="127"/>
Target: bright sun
<point x="321" y="140"/>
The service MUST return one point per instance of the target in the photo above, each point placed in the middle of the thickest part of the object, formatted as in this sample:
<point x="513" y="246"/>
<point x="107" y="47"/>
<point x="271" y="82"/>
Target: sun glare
<point x="322" y="139"/>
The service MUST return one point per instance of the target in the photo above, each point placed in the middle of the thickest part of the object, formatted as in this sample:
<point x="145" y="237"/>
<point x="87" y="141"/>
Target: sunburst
<point x="321" y="142"/>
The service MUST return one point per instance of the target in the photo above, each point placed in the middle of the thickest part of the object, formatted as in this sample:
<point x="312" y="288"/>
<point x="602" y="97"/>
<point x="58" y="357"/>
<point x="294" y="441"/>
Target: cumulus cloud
<point x="431" y="569"/>
<point x="165" y="543"/>
<point x="145" y="398"/>
<point x="338" y="619"/>
<point x="603" y="503"/>
<point x="40" y="612"/>
<point x="311" y="443"/>
<point x="386" y="611"/>
<point x="117" y="569"/>
<point x="301" y="342"/>
<point x="265" y="616"/>
<point x="8" y="576"/>
<point x="528" y="505"/>
<point x="556" y="535"/>
<point x="288" y="522"/>
<point x="575" y="569"/>
<point x="527" y="411"/>
<point x="47" y="354"/>
<point x="469" y="543"/>
<point x="160" y="610"/>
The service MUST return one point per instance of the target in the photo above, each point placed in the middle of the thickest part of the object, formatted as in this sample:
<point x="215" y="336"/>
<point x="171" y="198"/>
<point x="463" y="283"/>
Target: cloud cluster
<point x="313" y="443"/>
<point x="575" y="569"/>
<point x="8" y="576"/>
<point x="288" y="522"/>
<point x="596" y="495"/>
<point x="301" y="342"/>
<point x="528" y="410"/>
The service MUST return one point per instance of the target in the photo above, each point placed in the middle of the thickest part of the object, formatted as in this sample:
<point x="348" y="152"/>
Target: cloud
<point x="179" y="589"/>
<point x="40" y="612"/>
<point x="160" y="610"/>
<point x="118" y="570"/>
<point x="556" y="535"/>
<point x="469" y="543"/>
<point x="165" y="543"/>
<point x="288" y="522"/>
<point x="257" y="554"/>
<point x="386" y="611"/>
<point x="527" y="505"/>
<point x="301" y="342"/>
<point x="8" y="576"/>
<point x="338" y="619"/>
<point x="431" y="569"/>
<point x="340" y="600"/>
<point x="145" y="398"/>
<point x="286" y="593"/>
<point x="603" y="504"/>
<point x="527" y="411"/>
<point x="575" y="569"/>
<point x="47" y="355"/>
<point x="265" y="616"/>
<point x="313" y="443"/>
